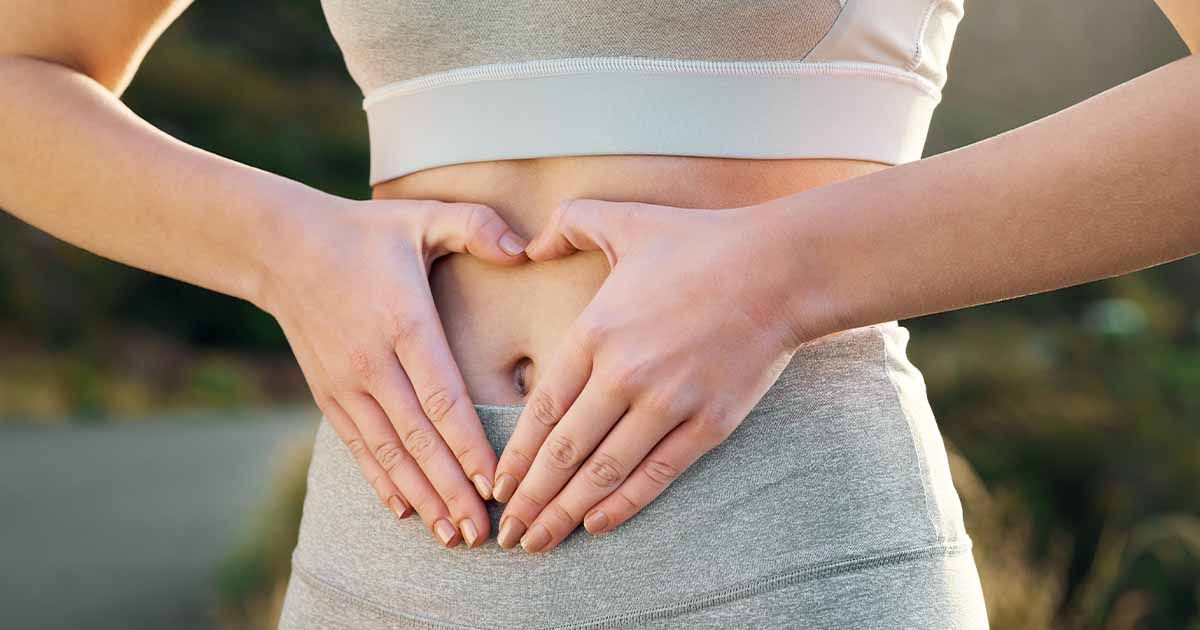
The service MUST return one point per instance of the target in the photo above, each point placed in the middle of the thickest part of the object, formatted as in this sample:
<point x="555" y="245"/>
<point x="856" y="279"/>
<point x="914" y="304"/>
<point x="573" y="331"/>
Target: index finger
<point x="425" y="356"/>
<point x="565" y="377"/>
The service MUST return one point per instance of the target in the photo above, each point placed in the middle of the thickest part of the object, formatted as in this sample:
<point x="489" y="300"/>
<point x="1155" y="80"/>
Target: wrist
<point x="286" y="223"/>
<point x="796" y="242"/>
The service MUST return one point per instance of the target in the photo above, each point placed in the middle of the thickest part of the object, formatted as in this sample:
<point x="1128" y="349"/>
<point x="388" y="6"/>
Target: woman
<point x="761" y="336"/>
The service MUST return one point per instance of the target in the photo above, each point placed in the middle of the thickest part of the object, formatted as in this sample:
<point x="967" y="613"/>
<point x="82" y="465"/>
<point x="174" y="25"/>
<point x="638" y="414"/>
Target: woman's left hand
<point x="684" y="337"/>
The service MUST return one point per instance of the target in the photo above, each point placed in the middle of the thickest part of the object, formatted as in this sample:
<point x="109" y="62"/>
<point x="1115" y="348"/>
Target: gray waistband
<point x="840" y="463"/>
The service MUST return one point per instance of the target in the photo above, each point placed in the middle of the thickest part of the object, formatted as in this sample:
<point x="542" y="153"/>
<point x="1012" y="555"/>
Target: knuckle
<point x="439" y="404"/>
<point x="558" y="513"/>
<point x="630" y="506"/>
<point x="592" y="332"/>
<point x="357" y="447"/>
<point x="715" y="428"/>
<point x="478" y="218"/>
<point x="544" y="408"/>
<point x="604" y="471"/>
<point x="629" y="374"/>
<point x="453" y="498"/>
<point x="325" y="402"/>
<point x="660" y="471"/>
<point x="465" y="454"/>
<point x="517" y="456"/>
<point x="429" y="506"/>
<point x="421" y="445"/>
<point x="562" y="452"/>
<point x="390" y="455"/>
<point x="526" y="498"/>
<point x="404" y="328"/>
<point x="563" y="213"/>
<point x="666" y="403"/>
<point x="363" y="366"/>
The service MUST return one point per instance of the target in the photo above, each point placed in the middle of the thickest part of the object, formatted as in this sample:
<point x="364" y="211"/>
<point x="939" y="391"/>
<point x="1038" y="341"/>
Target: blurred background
<point x="153" y="435"/>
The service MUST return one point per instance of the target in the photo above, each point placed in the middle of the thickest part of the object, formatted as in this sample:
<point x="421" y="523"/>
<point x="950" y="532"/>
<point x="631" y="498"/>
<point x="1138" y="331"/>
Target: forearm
<point x="84" y="168"/>
<point x="1108" y="186"/>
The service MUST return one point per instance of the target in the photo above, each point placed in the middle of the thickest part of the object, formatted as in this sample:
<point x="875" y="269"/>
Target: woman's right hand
<point x="350" y="288"/>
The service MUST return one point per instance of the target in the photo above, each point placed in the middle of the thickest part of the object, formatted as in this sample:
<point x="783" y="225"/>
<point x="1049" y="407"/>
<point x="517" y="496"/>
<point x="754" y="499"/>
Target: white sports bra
<point x="453" y="81"/>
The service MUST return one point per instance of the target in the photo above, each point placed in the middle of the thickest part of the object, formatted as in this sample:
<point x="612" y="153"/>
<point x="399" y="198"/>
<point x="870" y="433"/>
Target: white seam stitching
<point x="919" y="52"/>
<point x="585" y="65"/>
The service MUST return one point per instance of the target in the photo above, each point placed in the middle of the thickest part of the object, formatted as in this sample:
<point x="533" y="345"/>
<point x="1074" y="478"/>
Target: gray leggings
<point x="831" y="506"/>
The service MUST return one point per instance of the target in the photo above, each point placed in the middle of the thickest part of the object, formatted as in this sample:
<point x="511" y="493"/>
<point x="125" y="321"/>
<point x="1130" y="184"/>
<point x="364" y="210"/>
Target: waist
<point x="504" y="323"/>
<point x="839" y="468"/>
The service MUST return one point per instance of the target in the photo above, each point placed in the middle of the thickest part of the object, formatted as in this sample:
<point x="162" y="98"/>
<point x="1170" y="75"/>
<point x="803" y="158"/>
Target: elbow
<point x="20" y="64"/>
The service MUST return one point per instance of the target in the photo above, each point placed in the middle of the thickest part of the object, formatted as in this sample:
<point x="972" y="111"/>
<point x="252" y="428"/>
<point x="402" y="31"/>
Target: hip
<point x="832" y="499"/>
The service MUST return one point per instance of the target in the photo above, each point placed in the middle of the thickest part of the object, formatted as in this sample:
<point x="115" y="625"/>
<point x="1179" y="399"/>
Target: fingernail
<point x="510" y="532"/>
<point x="536" y="538"/>
<point x="596" y="521"/>
<point x="445" y="531"/>
<point x="506" y="485"/>
<point x="512" y="244"/>
<point x="398" y="506"/>
<point x="483" y="487"/>
<point x="469" y="532"/>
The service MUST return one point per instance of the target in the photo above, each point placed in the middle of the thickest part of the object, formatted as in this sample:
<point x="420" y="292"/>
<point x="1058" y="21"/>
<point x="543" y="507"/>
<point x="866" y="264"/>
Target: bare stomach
<point x="504" y="323"/>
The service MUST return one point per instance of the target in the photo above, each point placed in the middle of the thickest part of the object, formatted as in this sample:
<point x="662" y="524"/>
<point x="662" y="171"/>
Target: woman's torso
<point x="829" y="507"/>
<point x="504" y="323"/>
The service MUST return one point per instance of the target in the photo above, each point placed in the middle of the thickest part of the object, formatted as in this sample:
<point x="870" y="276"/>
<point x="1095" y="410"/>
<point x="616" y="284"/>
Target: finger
<point x="620" y="452"/>
<point x="425" y="448"/>
<point x="662" y="465"/>
<point x="314" y="373"/>
<point x="475" y="229"/>
<point x="583" y="427"/>
<point x="384" y="487"/>
<point x="568" y="372"/>
<point x="390" y="451"/>
<point x="425" y="357"/>
<point x="583" y="225"/>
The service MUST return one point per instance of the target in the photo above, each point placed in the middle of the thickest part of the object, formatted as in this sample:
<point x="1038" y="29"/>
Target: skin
<point x="176" y="210"/>
<point x="656" y="371"/>
<point x="347" y="280"/>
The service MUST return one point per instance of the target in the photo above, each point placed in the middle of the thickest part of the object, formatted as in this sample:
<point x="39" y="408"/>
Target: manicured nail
<point x="445" y="531"/>
<point x="469" y="532"/>
<point x="506" y="485"/>
<point x="537" y="538"/>
<point x="512" y="244"/>
<point x="595" y="522"/>
<point x="398" y="506"/>
<point x="510" y="532"/>
<point x="483" y="486"/>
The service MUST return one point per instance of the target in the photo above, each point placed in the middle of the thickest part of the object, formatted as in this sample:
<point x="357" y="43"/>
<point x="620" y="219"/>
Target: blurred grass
<point x="1074" y="415"/>
<point x="252" y="581"/>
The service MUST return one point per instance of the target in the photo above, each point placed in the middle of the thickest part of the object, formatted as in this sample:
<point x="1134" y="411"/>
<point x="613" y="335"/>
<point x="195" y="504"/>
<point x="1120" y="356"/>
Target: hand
<point x="683" y="338"/>
<point x="352" y="296"/>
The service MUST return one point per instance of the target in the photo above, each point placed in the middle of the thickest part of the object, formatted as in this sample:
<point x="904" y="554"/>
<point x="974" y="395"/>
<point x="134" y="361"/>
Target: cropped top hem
<point x="626" y="105"/>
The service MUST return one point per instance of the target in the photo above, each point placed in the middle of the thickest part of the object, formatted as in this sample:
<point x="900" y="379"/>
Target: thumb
<point x="588" y="225"/>
<point x="471" y="228"/>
